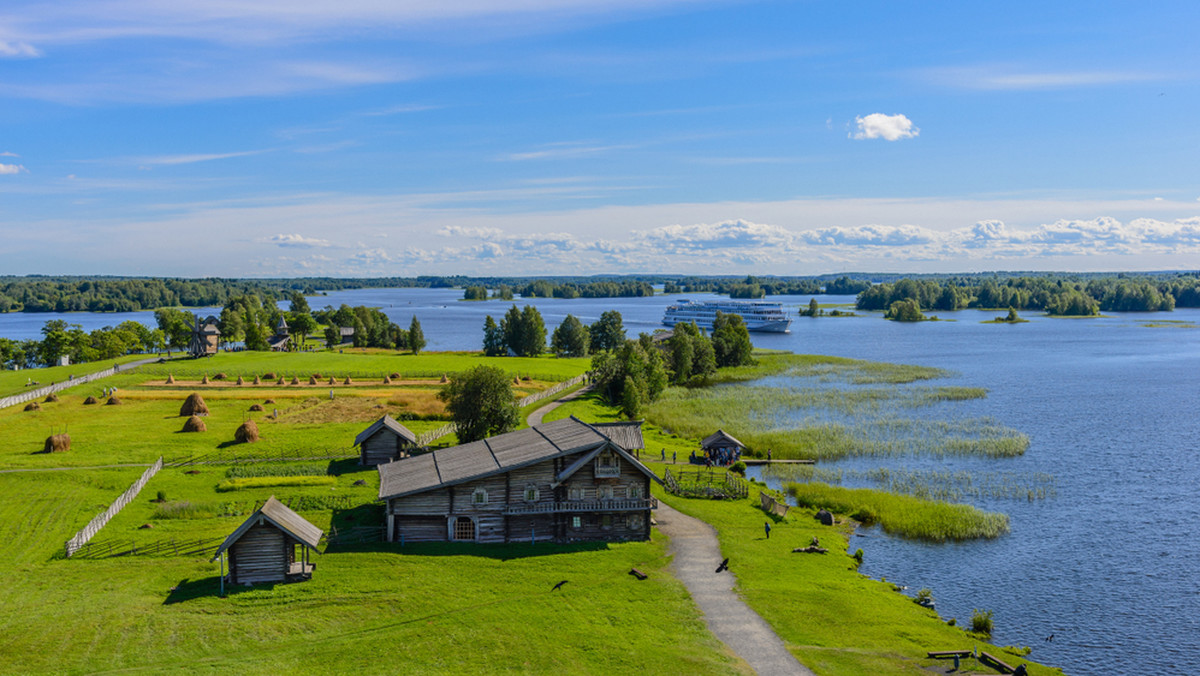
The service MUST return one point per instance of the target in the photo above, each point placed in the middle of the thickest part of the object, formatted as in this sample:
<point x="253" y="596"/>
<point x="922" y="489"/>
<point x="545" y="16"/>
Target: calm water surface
<point x="1110" y="566"/>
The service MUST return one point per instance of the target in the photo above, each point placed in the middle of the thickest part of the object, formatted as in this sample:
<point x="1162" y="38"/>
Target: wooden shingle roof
<point x="280" y="516"/>
<point x="501" y="453"/>
<point x="720" y="437"/>
<point x="386" y="422"/>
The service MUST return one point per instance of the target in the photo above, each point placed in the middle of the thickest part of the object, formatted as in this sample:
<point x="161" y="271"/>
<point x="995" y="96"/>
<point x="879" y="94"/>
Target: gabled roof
<point x="346" y="330"/>
<point x="279" y="515"/>
<point x="627" y="435"/>
<point x="386" y="422"/>
<point x="494" y="455"/>
<point x="585" y="459"/>
<point x="717" y="437"/>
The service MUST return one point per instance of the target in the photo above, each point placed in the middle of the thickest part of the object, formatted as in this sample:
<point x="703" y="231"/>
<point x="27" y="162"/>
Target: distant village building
<point x="347" y="335"/>
<point x="384" y="441"/>
<point x="722" y="448"/>
<point x="563" y="481"/>
<point x="206" y="337"/>
<point x="279" y="341"/>
<point x="263" y="548"/>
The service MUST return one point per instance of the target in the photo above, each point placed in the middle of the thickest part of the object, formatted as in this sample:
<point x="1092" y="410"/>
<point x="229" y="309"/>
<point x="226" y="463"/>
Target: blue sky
<point x="363" y="137"/>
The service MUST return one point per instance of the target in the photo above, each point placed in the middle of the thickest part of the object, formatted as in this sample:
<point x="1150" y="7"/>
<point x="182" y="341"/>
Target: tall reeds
<point x="902" y="515"/>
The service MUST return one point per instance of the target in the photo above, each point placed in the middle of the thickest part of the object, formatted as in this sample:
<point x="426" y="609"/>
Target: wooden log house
<point x="206" y="337"/>
<point x="384" y="441"/>
<point x="562" y="481"/>
<point x="263" y="548"/>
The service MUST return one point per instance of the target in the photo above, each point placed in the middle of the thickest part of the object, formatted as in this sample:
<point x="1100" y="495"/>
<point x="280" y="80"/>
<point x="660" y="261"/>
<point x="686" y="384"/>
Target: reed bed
<point x="943" y="485"/>
<point x="273" y="482"/>
<point x="828" y="369"/>
<point x="902" y="515"/>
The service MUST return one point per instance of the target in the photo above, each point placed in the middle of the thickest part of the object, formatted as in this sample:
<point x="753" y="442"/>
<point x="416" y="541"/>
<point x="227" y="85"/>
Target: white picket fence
<point x="433" y="435"/>
<point x="56" y="387"/>
<point x="81" y="538"/>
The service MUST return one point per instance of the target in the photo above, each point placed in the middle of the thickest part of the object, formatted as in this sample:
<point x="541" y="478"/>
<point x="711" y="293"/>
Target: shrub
<point x="161" y="496"/>
<point x="738" y="467"/>
<point x="858" y="556"/>
<point x="924" y="596"/>
<point x="981" y="622"/>
<point x="952" y="622"/>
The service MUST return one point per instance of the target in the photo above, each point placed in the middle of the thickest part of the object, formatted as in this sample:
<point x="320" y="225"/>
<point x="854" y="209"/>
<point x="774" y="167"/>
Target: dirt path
<point x="697" y="554"/>
<point x="535" y="418"/>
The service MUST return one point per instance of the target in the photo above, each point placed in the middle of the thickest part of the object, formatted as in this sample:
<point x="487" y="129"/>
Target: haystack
<point x="194" y="424"/>
<point x="256" y="407"/>
<point x="57" y="443"/>
<point x="204" y="380"/>
<point x="516" y="380"/>
<point x="256" y="380"/>
<point x="33" y="406"/>
<point x="280" y="381"/>
<point x="312" y="380"/>
<point x="112" y="401"/>
<point x="348" y="381"/>
<point x="240" y="381"/>
<point x="295" y="380"/>
<point x="269" y="401"/>
<point x="170" y="379"/>
<point x="89" y="401"/>
<point x="387" y="380"/>
<point x="193" y="405"/>
<point x="247" y="433"/>
<point x="269" y="376"/>
<point x="50" y="398"/>
<point x="395" y="376"/>
<point x="445" y="379"/>
<point x="220" y="376"/>
<point x="332" y="380"/>
<point x="318" y="376"/>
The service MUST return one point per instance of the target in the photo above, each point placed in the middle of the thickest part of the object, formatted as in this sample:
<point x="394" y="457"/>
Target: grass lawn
<point x="370" y="609"/>
<point x="14" y="382"/>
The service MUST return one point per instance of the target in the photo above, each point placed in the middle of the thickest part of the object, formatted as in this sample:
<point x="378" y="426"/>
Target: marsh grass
<point x="273" y="481"/>
<point x="930" y="484"/>
<point x="902" y="515"/>
<point x="828" y="369"/>
<point x="276" y="470"/>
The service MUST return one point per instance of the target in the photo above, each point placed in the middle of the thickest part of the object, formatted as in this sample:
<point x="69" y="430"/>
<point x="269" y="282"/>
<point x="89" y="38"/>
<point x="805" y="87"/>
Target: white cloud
<point x="887" y="127"/>
<point x="1001" y="78"/>
<point x="18" y="50"/>
<point x="738" y="233"/>
<point x="870" y="235"/>
<point x="8" y="154"/>
<point x="10" y="169"/>
<point x="171" y="160"/>
<point x="299" y="241"/>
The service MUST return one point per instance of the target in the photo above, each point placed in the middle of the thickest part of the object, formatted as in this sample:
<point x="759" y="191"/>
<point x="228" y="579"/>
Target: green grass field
<point x="14" y="382"/>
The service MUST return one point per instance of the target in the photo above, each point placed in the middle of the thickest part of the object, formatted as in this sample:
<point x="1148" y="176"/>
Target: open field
<point x="14" y="382"/>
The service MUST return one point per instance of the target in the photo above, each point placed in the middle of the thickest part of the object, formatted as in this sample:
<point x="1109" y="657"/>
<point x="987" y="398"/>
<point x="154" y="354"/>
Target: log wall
<point x="260" y="555"/>
<point x="383" y="446"/>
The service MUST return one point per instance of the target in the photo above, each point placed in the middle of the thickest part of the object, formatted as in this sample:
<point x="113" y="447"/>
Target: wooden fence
<point x="706" y="483"/>
<point x="772" y="506"/>
<point x="103" y="549"/>
<point x="58" y="387"/>
<point x="81" y="538"/>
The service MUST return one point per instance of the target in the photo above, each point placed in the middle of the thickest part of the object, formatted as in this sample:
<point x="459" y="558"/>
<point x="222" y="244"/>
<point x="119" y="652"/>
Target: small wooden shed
<point x="384" y="441"/>
<point x="263" y="548"/>
<point x="721" y="441"/>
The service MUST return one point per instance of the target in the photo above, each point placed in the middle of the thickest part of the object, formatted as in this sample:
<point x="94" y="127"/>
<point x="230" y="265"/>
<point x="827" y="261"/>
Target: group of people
<point x="717" y="457"/>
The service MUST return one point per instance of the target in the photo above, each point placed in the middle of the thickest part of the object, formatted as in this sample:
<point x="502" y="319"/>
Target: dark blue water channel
<point x="1110" y="566"/>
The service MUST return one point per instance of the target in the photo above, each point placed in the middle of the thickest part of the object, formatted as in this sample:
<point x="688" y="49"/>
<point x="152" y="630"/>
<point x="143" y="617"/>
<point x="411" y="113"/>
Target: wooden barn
<point x="263" y="548"/>
<point x="206" y="337"/>
<point x="384" y="441"/>
<point x="561" y="481"/>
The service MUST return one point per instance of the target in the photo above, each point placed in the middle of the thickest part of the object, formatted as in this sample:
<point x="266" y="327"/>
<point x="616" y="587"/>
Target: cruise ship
<point x="757" y="314"/>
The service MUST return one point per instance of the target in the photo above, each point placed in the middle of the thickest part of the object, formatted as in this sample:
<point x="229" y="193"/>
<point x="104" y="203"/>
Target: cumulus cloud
<point x="464" y="231"/>
<point x="870" y="235"/>
<point x="722" y="235"/>
<point x="299" y="241"/>
<point x="886" y="127"/>
<point x="9" y="169"/>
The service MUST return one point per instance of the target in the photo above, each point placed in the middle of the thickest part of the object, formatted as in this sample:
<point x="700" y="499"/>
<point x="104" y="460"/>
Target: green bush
<point x="858" y="556"/>
<point x="981" y="622"/>
<point x="924" y="596"/>
<point x="738" y="467"/>
<point x="161" y="496"/>
<point x="273" y="481"/>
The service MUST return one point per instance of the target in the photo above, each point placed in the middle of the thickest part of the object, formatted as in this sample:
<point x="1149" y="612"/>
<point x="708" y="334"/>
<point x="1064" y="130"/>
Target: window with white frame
<point x="532" y="493"/>
<point x="634" y="491"/>
<point x="575" y="493"/>
<point x="604" y="492"/>
<point x="576" y="522"/>
<point x="479" y="497"/>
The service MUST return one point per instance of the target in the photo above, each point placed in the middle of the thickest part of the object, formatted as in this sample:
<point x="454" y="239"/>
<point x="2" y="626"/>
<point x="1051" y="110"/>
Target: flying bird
<point x="559" y="585"/>
<point x="1050" y="638"/>
<point x="724" y="566"/>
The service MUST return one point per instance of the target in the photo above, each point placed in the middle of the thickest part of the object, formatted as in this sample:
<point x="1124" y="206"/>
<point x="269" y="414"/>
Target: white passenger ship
<point x="757" y="314"/>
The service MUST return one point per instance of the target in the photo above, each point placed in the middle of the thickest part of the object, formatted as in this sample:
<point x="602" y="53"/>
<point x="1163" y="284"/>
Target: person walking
<point x="673" y="457"/>
<point x="767" y="527"/>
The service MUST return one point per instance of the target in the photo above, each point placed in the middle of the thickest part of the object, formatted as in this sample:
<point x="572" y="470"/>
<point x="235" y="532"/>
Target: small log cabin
<point x="206" y="337"/>
<point x="263" y="548"/>
<point x="562" y="481"/>
<point x="721" y="443"/>
<point x="384" y="441"/>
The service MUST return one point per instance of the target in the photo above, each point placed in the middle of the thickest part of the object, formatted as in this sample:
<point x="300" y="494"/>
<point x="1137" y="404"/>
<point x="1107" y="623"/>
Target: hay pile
<point x="240" y="381"/>
<point x="395" y="376"/>
<point x="57" y="443"/>
<point x="332" y="381"/>
<point x="280" y="381"/>
<point x="33" y="406"/>
<point x="256" y="407"/>
<point x="194" y="424"/>
<point x="312" y="380"/>
<point x="445" y="379"/>
<point x="89" y="401"/>
<point x="387" y="380"/>
<point x="516" y="380"/>
<point x="295" y="380"/>
<point x="256" y="380"/>
<point x="112" y="401"/>
<point x="269" y="376"/>
<point x="170" y="379"/>
<point x="348" y="381"/>
<point x="204" y="380"/>
<point x="247" y="433"/>
<point x="220" y="376"/>
<point x="269" y="401"/>
<point x="51" y="398"/>
<point x="193" y="405"/>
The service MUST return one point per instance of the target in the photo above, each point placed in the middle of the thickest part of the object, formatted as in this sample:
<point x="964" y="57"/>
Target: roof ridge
<point x="494" y="458"/>
<point x="592" y="428"/>
<point x="437" y="469"/>
<point x="550" y="441"/>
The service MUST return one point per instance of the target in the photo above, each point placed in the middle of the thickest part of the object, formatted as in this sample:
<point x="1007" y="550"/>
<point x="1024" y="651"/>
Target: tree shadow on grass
<point x="501" y="552"/>
<point x="209" y="587"/>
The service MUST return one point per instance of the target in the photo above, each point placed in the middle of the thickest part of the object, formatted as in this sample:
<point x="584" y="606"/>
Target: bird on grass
<point x="724" y="566"/>
<point x="559" y="585"/>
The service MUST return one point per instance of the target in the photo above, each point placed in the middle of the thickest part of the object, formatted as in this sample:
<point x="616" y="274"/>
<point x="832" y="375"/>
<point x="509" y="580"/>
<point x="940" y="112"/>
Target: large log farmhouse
<point x="564" y="481"/>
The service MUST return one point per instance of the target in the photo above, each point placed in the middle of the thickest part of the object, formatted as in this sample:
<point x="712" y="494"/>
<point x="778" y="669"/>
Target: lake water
<point x="1110" y="566"/>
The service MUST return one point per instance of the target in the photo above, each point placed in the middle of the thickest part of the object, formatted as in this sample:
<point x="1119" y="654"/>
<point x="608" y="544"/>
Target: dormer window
<point x="608" y="465"/>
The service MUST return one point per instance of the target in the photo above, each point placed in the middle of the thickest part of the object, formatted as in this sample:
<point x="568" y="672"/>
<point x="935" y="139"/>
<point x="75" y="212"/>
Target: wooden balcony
<point x="608" y="472"/>
<point x="616" y="505"/>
